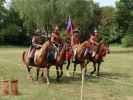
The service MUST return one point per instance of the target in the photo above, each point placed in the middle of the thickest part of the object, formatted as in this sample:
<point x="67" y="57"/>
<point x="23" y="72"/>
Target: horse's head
<point x="103" y="49"/>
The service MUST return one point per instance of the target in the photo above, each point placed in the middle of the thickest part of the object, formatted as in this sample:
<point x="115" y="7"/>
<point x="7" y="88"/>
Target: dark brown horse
<point x="40" y="60"/>
<point x="103" y="50"/>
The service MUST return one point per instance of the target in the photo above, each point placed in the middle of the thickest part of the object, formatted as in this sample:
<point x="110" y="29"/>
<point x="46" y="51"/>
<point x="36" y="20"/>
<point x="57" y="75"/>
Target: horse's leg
<point x="57" y="71"/>
<point x="29" y="73"/>
<point x="86" y="63"/>
<point x="46" y="71"/>
<point x="68" y="64"/>
<point x="94" y="66"/>
<point x="74" y="69"/>
<point x="37" y="70"/>
<point x="48" y="76"/>
<point x="42" y="74"/>
<point x="98" y="68"/>
<point x="61" y="69"/>
<point x="67" y="68"/>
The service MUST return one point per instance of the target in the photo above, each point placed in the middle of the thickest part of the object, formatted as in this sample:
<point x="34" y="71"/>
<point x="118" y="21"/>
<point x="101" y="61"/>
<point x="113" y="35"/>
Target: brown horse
<point x="40" y="60"/>
<point x="80" y="56"/>
<point x="103" y="50"/>
<point x="59" y="61"/>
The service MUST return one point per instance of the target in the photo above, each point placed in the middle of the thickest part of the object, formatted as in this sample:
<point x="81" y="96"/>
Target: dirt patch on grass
<point x="129" y="97"/>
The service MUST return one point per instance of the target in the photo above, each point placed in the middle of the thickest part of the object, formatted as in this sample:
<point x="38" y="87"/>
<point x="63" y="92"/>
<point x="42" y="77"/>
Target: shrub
<point x="127" y="41"/>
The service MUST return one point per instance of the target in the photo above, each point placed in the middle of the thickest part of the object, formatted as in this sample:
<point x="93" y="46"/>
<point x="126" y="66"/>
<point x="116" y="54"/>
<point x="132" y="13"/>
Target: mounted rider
<point x="93" y="40"/>
<point x="75" y="38"/>
<point x="75" y="41"/>
<point x="69" y="50"/>
<point x="56" y="40"/>
<point x="37" y="41"/>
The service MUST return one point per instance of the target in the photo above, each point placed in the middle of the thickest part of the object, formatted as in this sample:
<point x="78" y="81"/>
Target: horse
<point x="59" y="61"/>
<point x="40" y="60"/>
<point x="80" y="56"/>
<point x="103" y="50"/>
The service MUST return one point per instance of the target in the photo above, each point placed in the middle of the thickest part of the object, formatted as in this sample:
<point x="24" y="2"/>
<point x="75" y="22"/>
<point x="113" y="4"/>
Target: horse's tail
<point x="23" y="58"/>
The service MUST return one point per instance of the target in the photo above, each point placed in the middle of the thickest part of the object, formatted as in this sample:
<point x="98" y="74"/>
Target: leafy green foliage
<point x="127" y="41"/>
<point x="124" y="17"/>
<point x="107" y="25"/>
<point x="12" y="30"/>
<point x="25" y="16"/>
<point x="43" y="14"/>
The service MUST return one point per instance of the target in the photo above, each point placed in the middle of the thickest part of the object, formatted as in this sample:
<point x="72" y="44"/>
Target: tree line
<point x="19" y="21"/>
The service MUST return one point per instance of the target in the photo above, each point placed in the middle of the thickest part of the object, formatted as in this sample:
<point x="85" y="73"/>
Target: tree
<point x="83" y="13"/>
<point x="3" y="17"/>
<point x="107" y="24"/>
<point x="11" y="26"/>
<point x="45" y="13"/>
<point x="37" y="13"/>
<point x="125" y="16"/>
<point x="125" y="21"/>
<point x="14" y="31"/>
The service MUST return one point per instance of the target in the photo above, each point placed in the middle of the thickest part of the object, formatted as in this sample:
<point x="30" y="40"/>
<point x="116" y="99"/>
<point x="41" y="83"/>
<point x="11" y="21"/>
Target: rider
<point x="75" y="38"/>
<point x="36" y="43"/>
<point x="56" y="40"/>
<point x="94" y="43"/>
<point x="69" y="52"/>
<point x="75" y="41"/>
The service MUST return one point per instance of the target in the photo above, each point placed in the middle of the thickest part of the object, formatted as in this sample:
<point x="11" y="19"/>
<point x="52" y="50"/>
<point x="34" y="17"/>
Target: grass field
<point x="115" y="83"/>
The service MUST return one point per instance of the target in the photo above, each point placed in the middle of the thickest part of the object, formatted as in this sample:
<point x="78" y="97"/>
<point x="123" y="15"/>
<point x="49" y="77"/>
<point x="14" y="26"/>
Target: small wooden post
<point x="5" y="87"/>
<point x="14" y="87"/>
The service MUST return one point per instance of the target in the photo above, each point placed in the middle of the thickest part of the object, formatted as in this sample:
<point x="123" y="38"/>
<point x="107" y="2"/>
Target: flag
<point x="69" y="27"/>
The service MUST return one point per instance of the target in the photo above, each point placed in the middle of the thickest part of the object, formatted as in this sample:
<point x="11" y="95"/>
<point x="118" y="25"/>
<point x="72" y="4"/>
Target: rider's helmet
<point x="95" y="32"/>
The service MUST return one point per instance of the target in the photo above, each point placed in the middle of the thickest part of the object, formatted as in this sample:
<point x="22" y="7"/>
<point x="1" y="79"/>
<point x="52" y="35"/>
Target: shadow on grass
<point x="63" y="80"/>
<point x="88" y="78"/>
<point x="114" y="75"/>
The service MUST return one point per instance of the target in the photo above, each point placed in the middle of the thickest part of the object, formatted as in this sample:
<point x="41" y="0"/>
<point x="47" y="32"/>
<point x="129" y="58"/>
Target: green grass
<point x="117" y="66"/>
